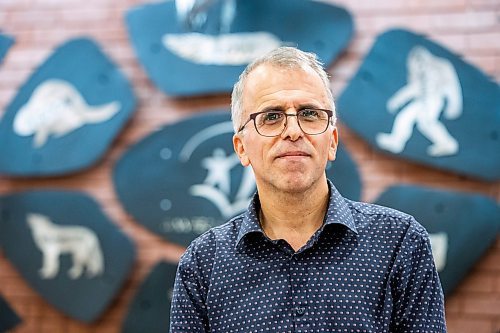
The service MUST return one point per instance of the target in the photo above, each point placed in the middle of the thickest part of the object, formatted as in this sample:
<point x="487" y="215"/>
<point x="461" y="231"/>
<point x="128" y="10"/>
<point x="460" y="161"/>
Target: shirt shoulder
<point x="223" y="233"/>
<point x="202" y="251"/>
<point x="367" y="215"/>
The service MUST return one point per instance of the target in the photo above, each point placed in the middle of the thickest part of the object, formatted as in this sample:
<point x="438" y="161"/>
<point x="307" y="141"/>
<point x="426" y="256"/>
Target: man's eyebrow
<point x="282" y="108"/>
<point x="273" y="108"/>
<point x="308" y="106"/>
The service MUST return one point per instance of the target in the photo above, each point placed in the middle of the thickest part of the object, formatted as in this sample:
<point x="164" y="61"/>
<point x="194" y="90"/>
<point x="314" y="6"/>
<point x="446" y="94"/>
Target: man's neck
<point x="294" y="217"/>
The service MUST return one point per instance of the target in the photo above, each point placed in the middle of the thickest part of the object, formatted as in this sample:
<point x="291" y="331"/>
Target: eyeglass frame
<point x="254" y="115"/>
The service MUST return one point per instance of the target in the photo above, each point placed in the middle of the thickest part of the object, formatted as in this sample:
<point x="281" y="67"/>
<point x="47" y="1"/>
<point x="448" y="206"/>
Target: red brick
<point x="482" y="304"/>
<point x="76" y="327"/>
<point x="455" y="42"/>
<point x="32" y="306"/>
<point x="464" y="21"/>
<point x="496" y="326"/>
<point x="53" y="325"/>
<point x="466" y="325"/>
<point x="490" y="262"/>
<point x="496" y="245"/>
<point x="27" y="326"/>
<point x="453" y="304"/>
<point x="484" y="42"/>
<point x="82" y="13"/>
<point x="383" y="23"/>
<point x="478" y="282"/>
<point x="497" y="284"/>
<point x="397" y="6"/>
<point x="486" y="63"/>
<point x="484" y="3"/>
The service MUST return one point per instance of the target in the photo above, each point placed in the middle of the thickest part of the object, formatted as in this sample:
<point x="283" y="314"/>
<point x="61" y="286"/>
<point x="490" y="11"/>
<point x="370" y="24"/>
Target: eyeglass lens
<point x="272" y="123"/>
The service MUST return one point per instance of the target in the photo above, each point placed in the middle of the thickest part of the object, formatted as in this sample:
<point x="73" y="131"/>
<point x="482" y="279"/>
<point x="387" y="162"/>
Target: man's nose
<point x="292" y="129"/>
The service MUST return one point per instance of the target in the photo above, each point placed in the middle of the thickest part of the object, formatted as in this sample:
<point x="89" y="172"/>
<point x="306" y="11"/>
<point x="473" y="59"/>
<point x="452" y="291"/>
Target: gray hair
<point x="284" y="56"/>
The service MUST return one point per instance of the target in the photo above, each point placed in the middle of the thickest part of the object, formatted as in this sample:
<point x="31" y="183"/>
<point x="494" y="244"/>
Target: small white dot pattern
<point x="368" y="269"/>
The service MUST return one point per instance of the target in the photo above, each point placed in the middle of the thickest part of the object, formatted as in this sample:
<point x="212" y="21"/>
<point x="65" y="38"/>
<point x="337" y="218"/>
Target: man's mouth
<point x="292" y="154"/>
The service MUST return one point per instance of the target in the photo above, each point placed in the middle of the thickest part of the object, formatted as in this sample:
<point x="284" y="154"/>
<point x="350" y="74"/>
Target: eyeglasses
<point x="273" y="122"/>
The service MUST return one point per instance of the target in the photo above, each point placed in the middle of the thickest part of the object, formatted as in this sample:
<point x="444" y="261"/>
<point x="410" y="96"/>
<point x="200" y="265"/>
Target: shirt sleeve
<point x="188" y="312"/>
<point x="417" y="292"/>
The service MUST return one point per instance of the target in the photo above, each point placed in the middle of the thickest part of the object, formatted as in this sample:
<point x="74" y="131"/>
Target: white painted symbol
<point x="184" y="225"/>
<point x="439" y="244"/>
<point x="55" y="240"/>
<point x="170" y="294"/>
<point x="433" y="88"/>
<point x="193" y="13"/>
<point x="56" y="108"/>
<point x="219" y="167"/>
<point x="217" y="185"/>
<point x="224" y="49"/>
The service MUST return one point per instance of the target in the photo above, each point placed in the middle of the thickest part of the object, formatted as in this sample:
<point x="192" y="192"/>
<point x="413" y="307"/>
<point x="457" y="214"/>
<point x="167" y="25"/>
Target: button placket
<point x="297" y="281"/>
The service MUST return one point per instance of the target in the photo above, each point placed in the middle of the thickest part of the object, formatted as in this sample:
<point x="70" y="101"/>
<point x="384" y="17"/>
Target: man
<point x="302" y="258"/>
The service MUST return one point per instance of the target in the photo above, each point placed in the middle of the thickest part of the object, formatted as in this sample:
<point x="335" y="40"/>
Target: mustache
<point x="292" y="150"/>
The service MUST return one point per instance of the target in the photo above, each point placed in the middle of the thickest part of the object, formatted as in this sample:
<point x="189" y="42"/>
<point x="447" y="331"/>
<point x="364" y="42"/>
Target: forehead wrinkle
<point x="260" y="89"/>
<point x="295" y="100"/>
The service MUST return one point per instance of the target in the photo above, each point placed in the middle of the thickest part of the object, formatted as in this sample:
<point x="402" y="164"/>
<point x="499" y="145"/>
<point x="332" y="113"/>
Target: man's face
<point x="293" y="161"/>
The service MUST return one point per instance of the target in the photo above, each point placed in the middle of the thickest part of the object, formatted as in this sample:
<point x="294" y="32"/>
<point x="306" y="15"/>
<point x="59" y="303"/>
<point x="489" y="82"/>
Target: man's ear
<point x="332" y="151"/>
<point x="239" y="148"/>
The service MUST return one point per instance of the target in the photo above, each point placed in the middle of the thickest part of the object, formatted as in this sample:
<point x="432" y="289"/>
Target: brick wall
<point x="469" y="27"/>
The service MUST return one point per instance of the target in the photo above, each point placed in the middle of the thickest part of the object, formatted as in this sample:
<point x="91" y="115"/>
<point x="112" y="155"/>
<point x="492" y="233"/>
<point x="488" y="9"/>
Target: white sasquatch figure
<point x="439" y="244"/>
<point x="232" y="49"/>
<point x="56" y="108"/>
<point x="433" y="88"/>
<point x="55" y="240"/>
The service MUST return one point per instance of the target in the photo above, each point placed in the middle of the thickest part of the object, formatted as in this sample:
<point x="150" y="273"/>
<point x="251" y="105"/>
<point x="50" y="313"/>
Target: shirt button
<point x="300" y="311"/>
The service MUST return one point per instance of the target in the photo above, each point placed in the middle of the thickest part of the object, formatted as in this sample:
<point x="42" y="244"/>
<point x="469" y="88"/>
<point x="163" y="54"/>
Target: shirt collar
<point x="250" y="223"/>
<point x="338" y="212"/>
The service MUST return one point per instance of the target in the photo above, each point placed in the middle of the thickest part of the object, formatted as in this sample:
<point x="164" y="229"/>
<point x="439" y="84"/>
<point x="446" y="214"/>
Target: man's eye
<point x="309" y="114"/>
<point x="270" y="117"/>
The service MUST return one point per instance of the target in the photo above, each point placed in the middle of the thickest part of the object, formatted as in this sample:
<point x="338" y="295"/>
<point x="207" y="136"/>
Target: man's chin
<point x="294" y="184"/>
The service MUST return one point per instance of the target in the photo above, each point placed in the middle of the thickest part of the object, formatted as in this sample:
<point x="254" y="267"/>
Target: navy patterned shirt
<point x="367" y="269"/>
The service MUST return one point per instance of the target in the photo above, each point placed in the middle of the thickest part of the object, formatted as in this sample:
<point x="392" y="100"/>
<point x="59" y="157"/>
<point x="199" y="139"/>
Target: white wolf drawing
<point x="55" y="240"/>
